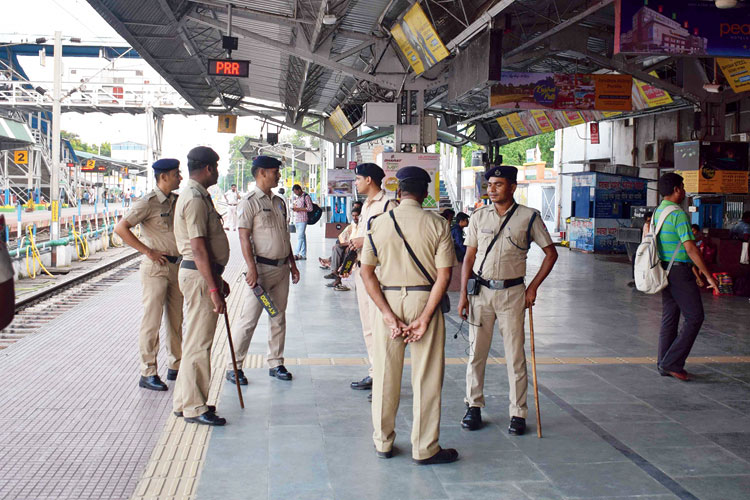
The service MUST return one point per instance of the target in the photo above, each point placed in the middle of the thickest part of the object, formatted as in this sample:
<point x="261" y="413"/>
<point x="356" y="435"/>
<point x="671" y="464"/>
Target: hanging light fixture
<point x="726" y="4"/>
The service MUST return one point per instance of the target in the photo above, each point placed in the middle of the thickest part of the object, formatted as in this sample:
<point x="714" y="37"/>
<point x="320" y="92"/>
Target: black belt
<point x="419" y="288"/>
<point x="270" y="262"/>
<point x="665" y="264"/>
<point x="173" y="260"/>
<point x="190" y="264"/>
<point x="499" y="284"/>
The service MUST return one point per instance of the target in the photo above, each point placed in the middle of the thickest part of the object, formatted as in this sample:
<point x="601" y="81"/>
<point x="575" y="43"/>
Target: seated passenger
<point x="338" y="252"/>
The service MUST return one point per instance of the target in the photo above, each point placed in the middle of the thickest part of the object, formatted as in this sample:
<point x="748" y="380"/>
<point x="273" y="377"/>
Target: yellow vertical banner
<point x="515" y="121"/>
<point x="542" y="121"/>
<point x="55" y="208"/>
<point x="340" y="122"/>
<point x="573" y="117"/>
<point x="506" y="127"/>
<point x="418" y="40"/>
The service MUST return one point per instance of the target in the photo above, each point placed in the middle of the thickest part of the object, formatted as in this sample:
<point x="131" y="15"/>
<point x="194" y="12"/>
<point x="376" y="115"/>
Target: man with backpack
<point x="677" y="254"/>
<point x="301" y="207"/>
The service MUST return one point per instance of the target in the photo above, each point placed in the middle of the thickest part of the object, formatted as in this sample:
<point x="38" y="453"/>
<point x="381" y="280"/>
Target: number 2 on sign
<point x="21" y="157"/>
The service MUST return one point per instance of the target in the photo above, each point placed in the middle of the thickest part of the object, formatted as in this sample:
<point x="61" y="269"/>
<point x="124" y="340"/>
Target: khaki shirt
<point x="155" y="213"/>
<point x="348" y="233"/>
<point x="507" y="259"/>
<point x="373" y="205"/>
<point x="265" y="217"/>
<point x="196" y="217"/>
<point x="428" y="235"/>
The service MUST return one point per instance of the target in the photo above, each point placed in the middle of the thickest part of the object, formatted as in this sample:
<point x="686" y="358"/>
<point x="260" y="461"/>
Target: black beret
<point x="504" y="171"/>
<point x="266" y="162"/>
<point x="413" y="174"/>
<point x="165" y="165"/>
<point x="203" y="154"/>
<point x="370" y="170"/>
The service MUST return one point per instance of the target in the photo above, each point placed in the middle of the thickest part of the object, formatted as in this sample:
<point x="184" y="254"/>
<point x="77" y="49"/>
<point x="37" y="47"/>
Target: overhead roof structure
<point x="301" y="65"/>
<point x="14" y="134"/>
<point x="111" y="163"/>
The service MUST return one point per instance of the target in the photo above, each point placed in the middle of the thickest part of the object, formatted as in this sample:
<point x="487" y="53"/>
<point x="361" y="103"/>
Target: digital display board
<point x="228" y="67"/>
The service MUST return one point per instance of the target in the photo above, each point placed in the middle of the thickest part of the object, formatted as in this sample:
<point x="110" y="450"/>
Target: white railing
<point x="99" y="95"/>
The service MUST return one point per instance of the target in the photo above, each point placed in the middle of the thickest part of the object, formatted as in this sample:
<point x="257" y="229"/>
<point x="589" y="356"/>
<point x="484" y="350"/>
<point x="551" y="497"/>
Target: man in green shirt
<point x="682" y="295"/>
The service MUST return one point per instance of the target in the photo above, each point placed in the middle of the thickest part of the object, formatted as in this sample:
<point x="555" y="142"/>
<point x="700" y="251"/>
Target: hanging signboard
<point x="562" y="91"/>
<point x="227" y="124"/>
<point x="228" y="67"/>
<point x="594" y="132"/>
<point x="506" y="127"/>
<point x="393" y="162"/>
<point x="736" y="71"/>
<point x="517" y="124"/>
<point x="418" y="40"/>
<point x="681" y="27"/>
<point x="340" y="182"/>
<point x="340" y="122"/>
<point x="542" y="121"/>
<point x="649" y="95"/>
<point x="21" y="157"/>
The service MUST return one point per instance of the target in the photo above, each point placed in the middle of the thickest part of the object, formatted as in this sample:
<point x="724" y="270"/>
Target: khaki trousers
<point x="366" y="314"/>
<point x="427" y="369"/>
<point x="275" y="281"/>
<point x="232" y="212"/>
<point x="508" y="307"/>
<point x="161" y="295"/>
<point x="194" y="380"/>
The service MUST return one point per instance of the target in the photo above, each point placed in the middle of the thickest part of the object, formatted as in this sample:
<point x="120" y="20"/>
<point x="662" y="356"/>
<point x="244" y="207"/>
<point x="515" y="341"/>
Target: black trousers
<point x="681" y="296"/>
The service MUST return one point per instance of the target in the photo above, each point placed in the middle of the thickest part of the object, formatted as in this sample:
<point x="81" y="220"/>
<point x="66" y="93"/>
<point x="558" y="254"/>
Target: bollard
<point x="19" y="211"/>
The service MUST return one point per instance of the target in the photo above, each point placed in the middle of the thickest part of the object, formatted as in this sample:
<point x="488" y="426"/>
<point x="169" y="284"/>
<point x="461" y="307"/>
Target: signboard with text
<point x="681" y="27"/>
<point x="340" y="182"/>
<point x="578" y="91"/>
<point x="418" y="40"/>
<point x="393" y="162"/>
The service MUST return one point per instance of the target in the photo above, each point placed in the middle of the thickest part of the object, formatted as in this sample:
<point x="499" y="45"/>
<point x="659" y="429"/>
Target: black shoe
<point x="330" y="276"/>
<point x="472" y="419"/>
<point x="153" y="383"/>
<point x="384" y="454"/>
<point x="230" y="377"/>
<point x="208" y="418"/>
<point x="517" y="426"/>
<point x="280" y="372"/>
<point x="369" y="397"/>
<point x="444" y="456"/>
<point x="172" y="374"/>
<point x="211" y="408"/>
<point x="363" y="385"/>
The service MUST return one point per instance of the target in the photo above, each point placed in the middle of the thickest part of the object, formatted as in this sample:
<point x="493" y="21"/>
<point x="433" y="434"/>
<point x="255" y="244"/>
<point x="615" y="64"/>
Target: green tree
<point x="79" y="145"/>
<point x="239" y="166"/>
<point x="515" y="152"/>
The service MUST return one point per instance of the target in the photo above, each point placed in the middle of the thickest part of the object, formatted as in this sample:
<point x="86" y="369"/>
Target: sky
<point x="76" y="18"/>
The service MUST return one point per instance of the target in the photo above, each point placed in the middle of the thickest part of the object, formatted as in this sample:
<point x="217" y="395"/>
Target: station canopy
<point x="324" y="59"/>
<point x="14" y="134"/>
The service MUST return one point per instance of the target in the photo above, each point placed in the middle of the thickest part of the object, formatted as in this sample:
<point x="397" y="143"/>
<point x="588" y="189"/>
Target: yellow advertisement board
<point x="340" y="122"/>
<point x="542" y="121"/>
<point x="651" y="95"/>
<point x="708" y="180"/>
<point x="573" y="117"/>
<point x="418" y="40"/>
<point x="515" y="121"/>
<point x="507" y="127"/>
<point x="737" y="73"/>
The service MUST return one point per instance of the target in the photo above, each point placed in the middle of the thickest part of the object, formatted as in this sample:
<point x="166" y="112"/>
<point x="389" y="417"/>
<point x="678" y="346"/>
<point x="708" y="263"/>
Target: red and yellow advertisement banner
<point x="550" y="91"/>
<point x="737" y="72"/>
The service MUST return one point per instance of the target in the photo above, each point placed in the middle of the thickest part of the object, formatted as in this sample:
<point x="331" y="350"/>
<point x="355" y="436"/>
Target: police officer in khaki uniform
<point x="408" y="311"/>
<point x="205" y="251"/>
<point x="497" y="274"/>
<point x="155" y="213"/>
<point x="368" y="179"/>
<point x="264" y="236"/>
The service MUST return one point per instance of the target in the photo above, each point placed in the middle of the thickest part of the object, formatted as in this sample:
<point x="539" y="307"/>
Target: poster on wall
<point x="340" y="182"/>
<point x="581" y="234"/>
<point x="578" y="91"/>
<point x="393" y="162"/>
<point x="480" y="186"/>
<point x="681" y="27"/>
<point x="418" y="40"/>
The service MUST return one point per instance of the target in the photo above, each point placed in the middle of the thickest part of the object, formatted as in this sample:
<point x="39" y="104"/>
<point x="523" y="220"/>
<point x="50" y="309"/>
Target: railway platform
<point x="76" y="425"/>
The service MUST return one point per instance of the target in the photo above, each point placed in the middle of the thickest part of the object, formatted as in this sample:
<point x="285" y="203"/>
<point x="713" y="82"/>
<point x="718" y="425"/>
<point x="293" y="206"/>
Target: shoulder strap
<point x="528" y="231"/>
<point x="369" y="235"/>
<point x="385" y="207"/>
<point x="492" y="243"/>
<point x="411" y="252"/>
<point x="665" y="213"/>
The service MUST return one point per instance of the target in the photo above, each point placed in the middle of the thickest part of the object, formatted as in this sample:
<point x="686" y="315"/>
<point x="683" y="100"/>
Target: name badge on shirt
<point x="267" y="210"/>
<point x="166" y="214"/>
<point x="487" y="231"/>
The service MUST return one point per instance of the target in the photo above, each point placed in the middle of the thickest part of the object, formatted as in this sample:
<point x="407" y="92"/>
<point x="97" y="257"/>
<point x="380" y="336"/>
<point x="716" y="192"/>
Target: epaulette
<point x="250" y="194"/>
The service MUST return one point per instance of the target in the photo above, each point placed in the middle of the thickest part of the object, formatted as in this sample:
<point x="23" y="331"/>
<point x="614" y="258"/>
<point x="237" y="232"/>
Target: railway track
<point x="32" y="313"/>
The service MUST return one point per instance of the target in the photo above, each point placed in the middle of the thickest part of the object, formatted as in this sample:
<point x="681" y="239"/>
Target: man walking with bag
<point x="682" y="295"/>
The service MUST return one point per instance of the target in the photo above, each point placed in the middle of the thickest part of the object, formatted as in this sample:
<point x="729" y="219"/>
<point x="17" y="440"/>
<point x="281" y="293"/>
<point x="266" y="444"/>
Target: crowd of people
<point x="400" y="259"/>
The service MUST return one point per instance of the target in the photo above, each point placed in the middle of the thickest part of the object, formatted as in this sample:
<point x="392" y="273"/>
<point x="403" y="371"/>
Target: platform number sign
<point x="227" y="124"/>
<point x="90" y="164"/>
<point x="21" y="157"/>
